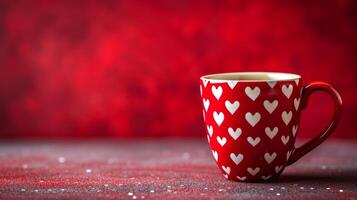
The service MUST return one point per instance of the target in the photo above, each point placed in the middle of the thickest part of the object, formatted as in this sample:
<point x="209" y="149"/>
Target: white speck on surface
<point x="182" y="185"/>
<point x="106" y="185"/>
<point x="277" y="194"/>
<point x="272" y="189"/>
<point x="228" y="188"/>
<point x="25" y="166"/>
<point x="186" y="156"/>
<point x="323" y="167"/>
<point x="41" y="181"/>
<point x="23" y="190"/>
<point x="283" y="188"/>
<point x="62" y="190"/>
<point x="206" y="188"/>
<point x="221" y="190"/>
<point x="98" y="190"/>
<point x="88" y="170"/>
<point x="35" y="190"/>
<point x="169" y="186"/>
<point x="328" y="188"/>
<point x="340" y="190"/>
<point x="50" y="190"/>
<point x="169" y="190"/>
<point x="312" y="188"/>
<point x="301" y="188"/>
<point x="143" y="197"/>
<point x="130" y="194"/>
<point x="61" y="159"/>
<point x="152" y="191"/>
<point x="134" y="197"/>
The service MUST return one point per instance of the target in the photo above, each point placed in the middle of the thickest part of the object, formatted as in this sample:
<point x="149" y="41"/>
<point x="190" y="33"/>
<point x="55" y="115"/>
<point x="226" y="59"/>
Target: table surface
<point x="164" y="169"/>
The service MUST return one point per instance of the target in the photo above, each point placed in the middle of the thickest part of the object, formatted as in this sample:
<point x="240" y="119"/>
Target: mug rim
<point x="275" y="76"/>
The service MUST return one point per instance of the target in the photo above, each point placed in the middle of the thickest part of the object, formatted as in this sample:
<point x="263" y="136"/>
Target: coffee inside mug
<point x="252" y="76"/>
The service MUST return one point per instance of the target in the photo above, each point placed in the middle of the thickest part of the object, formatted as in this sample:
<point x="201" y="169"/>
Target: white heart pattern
<point x="253" y="172"/>
<point x="222" y="141"/>
<point x="232" y="84"/>
<point x="252" y="141"/>
<point x="205" y="81"/>
<point x="210" y="130"/>
<point x="270" y="106"/>
<point x="252" y="119"/>
<point x="232" y="107"/>
<point x="294" y="130"/>
<point x="206" y="104"/>
<point x="271" y="133"/>
<point x="296" y="103"/>
<point x="226" y="169"/>
<point x="266" y="177"/>
<point x="269" y="157"/>
<point x="217" y="92"/>
<point x="218" y="117"/>
<point x="234" y="134"/>
<point x="278" y="168"/>
<point x="241" y="178"/>
<point x="215" y="155"/>
<point x="271" y="84"/>
<point x="252" y="93"/>
<point x="236" y="158"/>
<point x="287" y="91"/>
<point x="285" y="139"/>
<point x="286" y="116"/>
<point x="208" y="139"/>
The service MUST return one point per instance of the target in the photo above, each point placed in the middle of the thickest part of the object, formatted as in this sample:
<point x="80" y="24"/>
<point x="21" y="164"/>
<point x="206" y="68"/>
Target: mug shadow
<point x="345" y="176"/>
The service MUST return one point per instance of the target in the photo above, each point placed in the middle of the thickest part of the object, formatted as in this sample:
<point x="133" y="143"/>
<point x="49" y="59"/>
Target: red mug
<point x="252" y="120"/>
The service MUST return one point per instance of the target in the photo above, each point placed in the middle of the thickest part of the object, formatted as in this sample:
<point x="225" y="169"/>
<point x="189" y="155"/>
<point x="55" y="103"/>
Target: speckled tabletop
<point x="162" y="169"/>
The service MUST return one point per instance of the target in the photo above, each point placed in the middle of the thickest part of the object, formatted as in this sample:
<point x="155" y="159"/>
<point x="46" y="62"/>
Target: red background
<point x="132" y="68"/>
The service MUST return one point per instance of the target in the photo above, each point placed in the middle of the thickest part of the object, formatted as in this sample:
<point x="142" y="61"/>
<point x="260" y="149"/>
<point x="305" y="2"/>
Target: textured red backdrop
<point x="132" y="68"/>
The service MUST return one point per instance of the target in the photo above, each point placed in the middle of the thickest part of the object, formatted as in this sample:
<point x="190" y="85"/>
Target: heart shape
<point x="286" y="116"/>
<point x="285" y="139"/>
<point x="241" y="178"/>
<point x="234" y="134"/>
<point x="226" y="169"/>
<point x="294" y="130"/>
<point x="270" y="106"/>
<point x="236" y="158"/>
<point x="253" y="172"/>
<point x="271" y="133"/>
<point x="205" y="82"/>
<point x="206" y="104"/>
<point x="215" y="155"/>
<point x="218" y="117"/>
<point x="222" y="141"/>
<point x="232" y="107"/>
<point x="266" y="177"/>
<point x="287" y="91"/>
<point x="210" y="130"/>
<point x="232" y="84"/>
<point x="252" y="119"/>
<point x="271" y="84"/>
<point x="252" y="141"/>
<point x="269" y="157"/>
<point x="217" y="92"/>
<point x="252" y="93"/>
<point x="296" y="103"/>
<point x="278" y="169"/>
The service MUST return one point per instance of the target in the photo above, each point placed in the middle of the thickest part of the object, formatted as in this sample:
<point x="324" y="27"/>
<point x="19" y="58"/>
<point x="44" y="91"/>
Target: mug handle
<point x="306" y="92"/>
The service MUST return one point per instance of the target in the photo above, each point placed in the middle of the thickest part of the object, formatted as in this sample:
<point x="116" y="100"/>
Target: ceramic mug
<point x="252" y="120"/>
